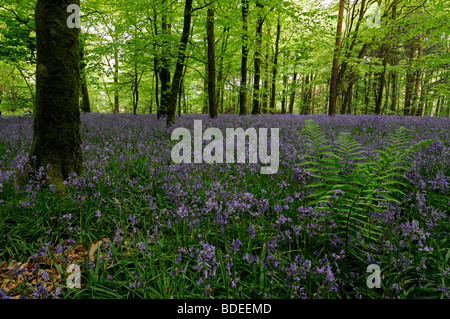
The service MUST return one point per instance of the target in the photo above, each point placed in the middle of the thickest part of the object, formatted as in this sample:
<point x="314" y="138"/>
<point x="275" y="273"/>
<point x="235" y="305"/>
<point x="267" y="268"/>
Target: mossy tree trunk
<point x="56" y="128"/>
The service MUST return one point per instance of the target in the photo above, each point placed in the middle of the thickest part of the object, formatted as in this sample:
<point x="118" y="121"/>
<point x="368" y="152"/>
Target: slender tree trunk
<point x="283" y="100"/>
<point x="334" y="70"/>
<point x="212" y="94"/>
<point x="220" y="76"/>
<point x="243" y="87"/>
<point x="179" y="97"/>
<point x="394" y="91"/>
<point x="257" y="79"/>
<point x="382" y="75"/>
<point x="164" y="72"/>
<point x="156" y="69"/>
<point x="180" y="63"/>
<point x="347" y="105"/>
<point x="136" y="83"/>
<point x="85" y="103"/>
<point x="368" y="89"/>
<point x="418" y="76"/>
<point x="354" y="39"/>
<point x="293" y="90"/>
<point x="116" y="78"/>
<point x="265" y="97"/>
<point x="272" y="105"/>
<point x="56" y="127"/>
<point x="423" y="96"/>
<point x="437" y="106"/>
<point x="409" y="80"/>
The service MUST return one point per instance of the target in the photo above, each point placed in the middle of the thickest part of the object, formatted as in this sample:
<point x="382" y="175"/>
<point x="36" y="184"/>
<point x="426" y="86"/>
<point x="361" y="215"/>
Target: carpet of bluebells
<point x="140" y="226"/>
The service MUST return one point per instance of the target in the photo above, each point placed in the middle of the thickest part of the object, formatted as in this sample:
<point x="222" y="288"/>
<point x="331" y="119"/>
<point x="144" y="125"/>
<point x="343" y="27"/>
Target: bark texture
<point x="56" y="138"/>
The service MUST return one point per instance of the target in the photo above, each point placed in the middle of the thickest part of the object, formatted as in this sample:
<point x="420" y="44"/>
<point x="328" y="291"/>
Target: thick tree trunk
<point x="56" y="127"/>
<point x="180" y="63"/>
<point x="334" y="70"/>
<point x="243" y="87"/>
<point x="212" y="94"/>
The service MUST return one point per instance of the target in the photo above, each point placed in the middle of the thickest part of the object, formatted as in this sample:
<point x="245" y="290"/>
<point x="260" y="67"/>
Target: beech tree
<point x="56" y="128"/>
<point x="172" y="99"/>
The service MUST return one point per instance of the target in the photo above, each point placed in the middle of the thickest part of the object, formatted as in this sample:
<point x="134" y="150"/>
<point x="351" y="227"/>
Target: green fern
<point x="342" y="168"/>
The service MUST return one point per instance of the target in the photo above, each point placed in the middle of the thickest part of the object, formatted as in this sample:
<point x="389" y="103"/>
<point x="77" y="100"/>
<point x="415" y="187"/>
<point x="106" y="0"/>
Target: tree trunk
<point x="293" y="89"/>
<point x="409" y="80"/>
<point x="394" y="91"/>
<point x="265" y="97"/>
<point x="257" y="79"/>
<point x="418" y="76"/>
<point x="116" y="78"/>
<point x="334" y="70"/>
<point x="56" y="127"/>
<point x="347" y="105"/>
<point x="283" y="100"/>
<point x="135" y="89"/>
<point x="180" y="63"/>
<point x="423" y="95"/>
<point x="85" y="103"/>
<point x="437" y="106"/>
<point x="368" y="88"/>
<point x="205" y="86"/>
<point x="220" y="76"/>
<point x="382" y="77"/>
<point x="212" y="94"/>
<point x="156" y="69"/>
<point x="272" y="105"/>
<point x="164" y="72"/>
<point x="243" y="87"/>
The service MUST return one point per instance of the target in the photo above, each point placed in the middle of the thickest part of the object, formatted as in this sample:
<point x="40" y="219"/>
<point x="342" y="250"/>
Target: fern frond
<point x="363" y="183"/>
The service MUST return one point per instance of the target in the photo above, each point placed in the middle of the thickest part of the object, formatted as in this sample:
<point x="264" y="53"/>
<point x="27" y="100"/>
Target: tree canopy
<point x="269" y="56"/>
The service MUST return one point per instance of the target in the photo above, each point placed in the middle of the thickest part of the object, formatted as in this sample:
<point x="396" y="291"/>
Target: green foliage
<point x="354" y="188"/>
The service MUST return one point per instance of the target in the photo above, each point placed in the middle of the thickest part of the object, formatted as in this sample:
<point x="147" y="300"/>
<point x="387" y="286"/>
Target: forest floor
<point x="350" y="193"/>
